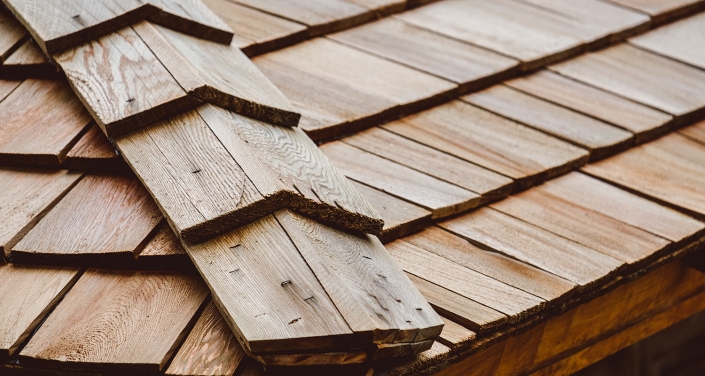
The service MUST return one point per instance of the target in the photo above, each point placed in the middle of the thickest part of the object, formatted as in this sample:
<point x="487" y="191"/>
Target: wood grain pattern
<point x="388" y="145"/>
<point x="59" y="26"/>
<point x="257" y="32"/>
<point x="490" y="141"/>
<point x="285" y="162"/>
<point x="400" y="217"/>
<point x="7" y="87"/>
<point x="198" y="186"/>
<point x="441" y="198"/>
<point x="35" y="110"/>
<point x="606" y="199"/>
<point x="330" y="359"/>
<point x="28" y="61"/>
<point x="641" y="76"/>
<point x="118" y="321"/>
<point x="489" y="292"/>
<point x="218" y="74"/>
<point x="371" y="292"/>
<point x="533" y="245"/>
<point x="339" y="89"/>
<point x="530" y="34"/>
<point x="695" y="132"/>
<point x="267" y="294"/>
<point x="455" y="334"/>
<point x="103" y="218"/>
<point x="504" y="269"/>
<point x="164" y="251"/>
<point x="93" y="152"/>
<point x="469" y="66"/>
<point x="662" y="10"/>
<point x="669" y="169"/>
<point x="599" y="232"/>
<point x="27" y="196"/>
<point x="12" y="35"/>
<point x="678" y="40"/>
<point x="321" y="16"/>
<point x="122" y="83"/>
<point x="599" y="138"/>
<point x="645" y="122"/>
<point x="209" y="349"/>
<point x="458" y="307"/>
<point x="28" y="294"/>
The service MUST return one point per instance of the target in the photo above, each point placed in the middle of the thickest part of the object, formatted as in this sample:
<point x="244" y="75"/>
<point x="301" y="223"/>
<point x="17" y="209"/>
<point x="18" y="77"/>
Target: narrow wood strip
<point x="164" y="251"/>
<point x="663" y="11"/>
<point x="315" y="359"/>
<point x="93" y="152"/>
<point x="28" y="61"/>
<point x="677" y="40"/>
<point x="454" y="335"/>
<point x="695" y="132"/>
<point x="12" y="34"/>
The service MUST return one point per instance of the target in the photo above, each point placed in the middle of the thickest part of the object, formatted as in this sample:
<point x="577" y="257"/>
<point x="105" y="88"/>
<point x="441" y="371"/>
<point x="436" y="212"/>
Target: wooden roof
<point x="165" y="209"/>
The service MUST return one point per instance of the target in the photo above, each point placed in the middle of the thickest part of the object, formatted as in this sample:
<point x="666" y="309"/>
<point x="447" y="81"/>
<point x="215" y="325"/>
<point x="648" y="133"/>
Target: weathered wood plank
<point x="606" y="199"/>
<point x="218" y="74"/>
<point x="340" y="89"/>
<point x="7" y="87"/>
<point x="210" y="348"/>
<point x="441" y="198"/>
<point x="678" y="40"/>
<point x="490" y="141"/>
<point x="12" y="34"/>
<point x="122" y="83"/>
<point x="645" y="122"/>
<point x="528" y="243"/>
<point x="662" y="10"/>
<point x="670" y="169"/>
<point x="27" y="295"/>
<point x="599" y="138"/>
<point x="102" y="219"/>
<point x="93" y="152"/>
<point x="371" y="292"/>
<point x="266" y="292"/>
<point x="118" y="321"/>
<point x="597" y="231"/>
<point x="695" y="132"/>
<point x="28" y="61"/>
<point x="449" y="168"/>
<point x="469" y="66"/>
<point x="485" y="290"/>
<point x="39" y="122"/>
<point x="454" y="335"/>
<point x="164" y="251"/>
<point x="282" y="161"/>
<point x="27" y="196"/>
<point x="530" y="34"/>
<point x="58" y="26"/>
<point x="331" y="359"/>
<point x="400" y="217"/>
<point x="458" y="307"/>
<point x="641" y="76"/>
<point x="525" y="277"/>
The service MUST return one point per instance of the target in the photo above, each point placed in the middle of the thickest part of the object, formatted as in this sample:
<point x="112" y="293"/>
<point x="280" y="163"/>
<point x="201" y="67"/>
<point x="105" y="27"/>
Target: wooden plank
<point x="695" y="132"/>
<point x="122" y="83"/>
<point x="468" y="312"/>
<point x="7" y="87"/>
<point x="218" y="74"/>
<point x="321" y="16"/>
<point x="504" y="269"/>
<point x="257" y="32"/>
<point x="57" y="27"/>
<point x="438" y="352"/>
<point x="400" y="217"/>
<point x="490" y="141"/>
<point x="266" y="292"/>
<point x="449" y="168"/>
<point x="469" y="66"/>
<point x="334" y="359"/>
<point x="599" y="138"/>
<point x="582" y="225"/>
<point x="124" y="321"/>
<point x="102" y="219"/>
<point x="93" y="152"/>
<point x="285" y="162"/>
<point x="209" y="349"/>
<point x="28" y="61"/>
<point x="608" y="200"/>
<point x="371" y="292"/>
<point x="441" y="198"/>
<point x="530" y="34"/>
<point x="340" y="89"/>
<point x="662" y="10"/>
<point x="645" y="122"/>
<point x="12" y="34"/>
<point x="198" y="186"/>
<point x="525" y="242"/>
<point x="33" y="110"/>
<point x="27" y="296"/>
<point x="27" y="196"/>
<point x="401" y="350"/>
<point x="641" y="76"/>
<point x="383" y="7"/>
<point x="678" y="40"/>
<point x="454" y="335"/>
<point x="669" y="169"/>
<point x="164" y="251"/>
<point x="514" y="303"/>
